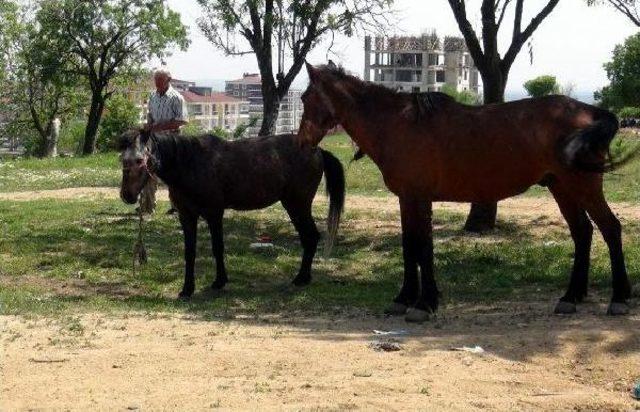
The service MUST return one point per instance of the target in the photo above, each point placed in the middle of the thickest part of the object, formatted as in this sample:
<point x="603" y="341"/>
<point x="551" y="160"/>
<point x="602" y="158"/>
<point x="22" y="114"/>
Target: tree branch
<point x="470" y="37"/>
<point x="520" y="38"/>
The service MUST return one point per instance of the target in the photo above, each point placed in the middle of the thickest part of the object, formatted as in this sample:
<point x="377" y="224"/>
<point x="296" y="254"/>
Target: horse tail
<point x="587" y="150"/>
<point x="335" y="187"/>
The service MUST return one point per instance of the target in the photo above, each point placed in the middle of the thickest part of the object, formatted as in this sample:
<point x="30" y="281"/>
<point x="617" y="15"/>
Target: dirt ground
<point x="531" y="359"/>
<point x="515" y="206"/>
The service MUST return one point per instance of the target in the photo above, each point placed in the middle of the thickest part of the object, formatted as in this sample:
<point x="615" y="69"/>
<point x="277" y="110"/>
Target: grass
<point x="76" y="256"/>
<point x="363" y="177"/>
<point x="38" y="174"/>
<point x="64" y="257"/>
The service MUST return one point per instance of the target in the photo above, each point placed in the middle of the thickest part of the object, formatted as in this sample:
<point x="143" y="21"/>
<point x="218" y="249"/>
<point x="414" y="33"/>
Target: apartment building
<point x="249" y="88"/>
<point x="215" y="109"/>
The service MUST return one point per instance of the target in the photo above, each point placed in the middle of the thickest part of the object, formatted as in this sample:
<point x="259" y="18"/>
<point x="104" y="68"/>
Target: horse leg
<point x="582" y="232"/>
<point x="189" y="225"/>
<point x="300" y="214"/>
<point x="217" y="248"/>
<point x="409" y="291"/>
<point x="423" y="247"/>
<point x="611" y="231"/>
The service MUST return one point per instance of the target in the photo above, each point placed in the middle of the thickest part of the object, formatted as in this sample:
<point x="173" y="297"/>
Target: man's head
<point x="162" y="77"/>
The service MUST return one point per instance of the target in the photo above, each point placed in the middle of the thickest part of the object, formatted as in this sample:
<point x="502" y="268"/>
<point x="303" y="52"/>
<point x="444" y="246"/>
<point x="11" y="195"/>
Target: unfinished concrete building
<point x="420" y="63"/>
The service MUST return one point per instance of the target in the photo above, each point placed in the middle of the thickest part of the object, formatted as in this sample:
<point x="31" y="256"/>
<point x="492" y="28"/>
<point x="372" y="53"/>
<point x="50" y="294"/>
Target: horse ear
<point x="332" y="65"/>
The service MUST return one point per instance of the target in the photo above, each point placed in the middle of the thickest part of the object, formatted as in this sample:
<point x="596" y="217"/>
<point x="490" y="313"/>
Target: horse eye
<point x="138" y="161"/>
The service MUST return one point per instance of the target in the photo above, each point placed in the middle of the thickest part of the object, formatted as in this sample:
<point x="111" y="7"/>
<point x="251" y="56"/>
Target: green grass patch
<point x="59" y="173"/>
<point x="363" y="177"/>
<point x="76" y="256"/>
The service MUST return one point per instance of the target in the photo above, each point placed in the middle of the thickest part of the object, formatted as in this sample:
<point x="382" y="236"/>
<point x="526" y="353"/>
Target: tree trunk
<point x="270" y="109"/>
<point x="93" y="121"/>
<point x="51" y="142"/>
<point x="482" y="216"/>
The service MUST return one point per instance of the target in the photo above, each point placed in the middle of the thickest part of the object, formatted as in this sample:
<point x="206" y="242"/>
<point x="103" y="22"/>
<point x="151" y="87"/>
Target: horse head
<point x="319" y="114"/>
<point x="138" y="163"/>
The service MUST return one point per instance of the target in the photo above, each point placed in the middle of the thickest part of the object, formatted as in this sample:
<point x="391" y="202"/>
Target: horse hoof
<point x="417" y="316"/>
<point x="618" y="308"/>
<point x="396" y="309"/>
<point x="565" y="308"/>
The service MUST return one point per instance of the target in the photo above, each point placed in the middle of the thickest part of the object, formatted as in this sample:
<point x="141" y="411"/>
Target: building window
<point x="440" y="76"/>
<point x="408" y="75"/>
<point x="466" y="74"/>
<point x="433" y="59"/>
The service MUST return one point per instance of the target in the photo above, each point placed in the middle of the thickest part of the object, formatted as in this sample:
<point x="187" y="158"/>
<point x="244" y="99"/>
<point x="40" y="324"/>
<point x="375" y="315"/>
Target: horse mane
<point x="423" y="102"/>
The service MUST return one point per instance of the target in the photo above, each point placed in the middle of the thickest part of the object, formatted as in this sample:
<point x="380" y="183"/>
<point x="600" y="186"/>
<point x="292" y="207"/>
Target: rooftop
<point x="215" y="97"/>
<point x="248" y="78"/>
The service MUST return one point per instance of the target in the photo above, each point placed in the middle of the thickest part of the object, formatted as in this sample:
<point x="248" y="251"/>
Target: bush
<point x="120" y="114"/>
<point x="629" y="112"/>
<point x="542" y="86"/>
<point x="464" y="97"/>
<point x="71" y="136"/>
<point x="192" y="128"/>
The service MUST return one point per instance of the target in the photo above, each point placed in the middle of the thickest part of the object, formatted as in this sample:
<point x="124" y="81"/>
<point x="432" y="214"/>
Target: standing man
<point x="167" y="113"/>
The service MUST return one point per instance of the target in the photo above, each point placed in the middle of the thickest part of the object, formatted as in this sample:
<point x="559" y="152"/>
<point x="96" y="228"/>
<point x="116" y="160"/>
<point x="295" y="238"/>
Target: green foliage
<point x="542" y="86"/>
<point x="240" y="130"/>
<point x="192" y="128"/>
<point x="629" y="112"/>
<point x="40" y="86"/>
<point x="464" y="96"/>
<point x="120" y="114"/>
<point x="623" y="72"/>
<point x="71" y="136"/>
<point x="9" y="32"/>
<point x="106" y="39"/>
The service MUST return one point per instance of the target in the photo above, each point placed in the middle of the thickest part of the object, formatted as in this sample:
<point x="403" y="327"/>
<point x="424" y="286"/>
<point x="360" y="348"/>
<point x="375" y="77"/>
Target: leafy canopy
<point x="623" y="72"/>
<point x="542" y="86"/>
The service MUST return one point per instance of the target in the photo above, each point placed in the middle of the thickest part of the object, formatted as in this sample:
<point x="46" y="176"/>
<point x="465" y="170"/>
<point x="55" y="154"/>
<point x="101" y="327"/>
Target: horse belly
<point x="485" y="187"/>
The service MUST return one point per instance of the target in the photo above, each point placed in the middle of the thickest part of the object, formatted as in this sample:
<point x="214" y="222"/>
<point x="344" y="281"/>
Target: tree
<point x="37" y="85"/>
<point x="120" y="115"/>
<point x="542" y="86"/>
<point x="292" y="27"/>
<point x="9" y="30"/>
<point x="629" y="8"/>
<point x="623" y="72"/>
<point x="104" y="39"/>
<point x="494" y="69"/>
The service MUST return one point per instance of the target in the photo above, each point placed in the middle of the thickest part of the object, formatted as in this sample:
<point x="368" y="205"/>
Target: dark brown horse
<point x="207" y="175"/>
<point x="430" y="148"/>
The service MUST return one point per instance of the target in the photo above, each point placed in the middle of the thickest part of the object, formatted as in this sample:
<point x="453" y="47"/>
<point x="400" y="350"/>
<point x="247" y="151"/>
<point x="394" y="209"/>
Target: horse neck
<point x="358" y="122"/>
<point x="164" y="150"/>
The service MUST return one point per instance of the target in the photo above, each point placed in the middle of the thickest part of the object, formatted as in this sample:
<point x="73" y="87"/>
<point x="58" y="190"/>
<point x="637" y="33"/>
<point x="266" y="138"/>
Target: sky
<point x="572" y="43"/>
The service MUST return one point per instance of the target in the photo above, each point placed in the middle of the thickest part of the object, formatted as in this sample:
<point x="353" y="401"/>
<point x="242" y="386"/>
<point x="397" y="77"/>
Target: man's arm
<point x="168" y="125"/>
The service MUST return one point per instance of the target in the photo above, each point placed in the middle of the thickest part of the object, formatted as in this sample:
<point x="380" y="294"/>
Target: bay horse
<point x="206" y="175"/>
<point x="431" y="148"/>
